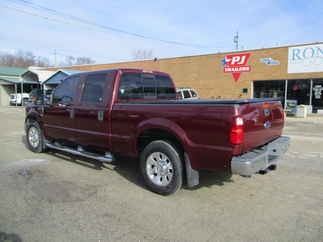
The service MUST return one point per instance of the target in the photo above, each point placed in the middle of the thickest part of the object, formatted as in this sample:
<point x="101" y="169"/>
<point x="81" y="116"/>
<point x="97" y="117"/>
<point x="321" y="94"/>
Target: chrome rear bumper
<point x="261" y="158"/>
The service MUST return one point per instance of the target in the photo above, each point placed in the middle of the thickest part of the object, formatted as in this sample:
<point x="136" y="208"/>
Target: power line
<point x="109" y="28"/>
<point x="33" y="14"/>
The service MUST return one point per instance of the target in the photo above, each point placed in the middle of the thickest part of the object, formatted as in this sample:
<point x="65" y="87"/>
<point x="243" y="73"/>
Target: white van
<point x="18" y="99"/>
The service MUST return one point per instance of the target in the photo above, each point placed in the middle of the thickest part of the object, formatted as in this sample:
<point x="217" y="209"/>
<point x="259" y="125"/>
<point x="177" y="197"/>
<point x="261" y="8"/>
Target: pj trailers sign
<point x="304" y="59"/>
<point x="236" y="64"/>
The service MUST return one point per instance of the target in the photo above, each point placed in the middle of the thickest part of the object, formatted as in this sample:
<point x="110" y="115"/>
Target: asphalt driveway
<point x="57" y="197"/>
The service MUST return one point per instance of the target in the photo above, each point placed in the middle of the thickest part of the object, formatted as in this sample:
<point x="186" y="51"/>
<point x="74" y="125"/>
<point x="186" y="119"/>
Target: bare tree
<point x="22" y="59"/>
<point x="27" y="58"/>
<point x="142" y="54"/>
<point x="42" y="62"/>
<point x="70" y="60"/>
<point x="84" y="61"/>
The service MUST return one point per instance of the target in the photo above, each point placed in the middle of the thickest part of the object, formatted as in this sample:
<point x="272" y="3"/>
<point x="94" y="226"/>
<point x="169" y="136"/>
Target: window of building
<point x="298" y="91"/>
<point x="65" y="93"/>
<point x="269" y="89"/>
<point x="317" y="95"/>
<point x="94" y="87"/>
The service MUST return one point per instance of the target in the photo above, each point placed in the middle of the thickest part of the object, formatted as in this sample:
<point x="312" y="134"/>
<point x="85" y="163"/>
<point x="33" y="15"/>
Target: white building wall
<point x="5" y="92"/>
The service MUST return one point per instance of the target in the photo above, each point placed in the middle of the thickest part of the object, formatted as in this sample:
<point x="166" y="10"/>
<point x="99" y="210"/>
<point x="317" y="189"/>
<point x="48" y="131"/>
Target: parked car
<point x="18" y="99"/>
<point x="133" y="112"/>
<point x="186" y="93"/>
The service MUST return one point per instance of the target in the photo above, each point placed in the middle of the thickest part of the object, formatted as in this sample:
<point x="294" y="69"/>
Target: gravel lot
<point x="55" y="197"/>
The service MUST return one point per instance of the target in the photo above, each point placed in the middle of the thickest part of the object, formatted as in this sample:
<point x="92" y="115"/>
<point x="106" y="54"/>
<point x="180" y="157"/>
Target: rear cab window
<point x="145" y="86"/>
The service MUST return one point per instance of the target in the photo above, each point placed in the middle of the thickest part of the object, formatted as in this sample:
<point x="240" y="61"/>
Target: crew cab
<point x="135" y="113"/>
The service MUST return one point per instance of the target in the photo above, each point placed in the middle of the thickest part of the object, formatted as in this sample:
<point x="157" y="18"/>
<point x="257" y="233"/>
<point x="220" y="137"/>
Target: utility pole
<point x="236" y="41"/>
<point x="55" y="61"/>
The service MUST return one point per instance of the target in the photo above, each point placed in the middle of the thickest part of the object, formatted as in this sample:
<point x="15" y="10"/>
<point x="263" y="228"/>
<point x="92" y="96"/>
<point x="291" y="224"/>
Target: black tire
<point x="33" y="126"/>
<point x="172" y="156"/>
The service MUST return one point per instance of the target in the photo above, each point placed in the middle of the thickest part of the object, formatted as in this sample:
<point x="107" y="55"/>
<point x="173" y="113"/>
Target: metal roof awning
<point x="9" y="80"/>
<point x="58" y="76"/>
<point x="15" y="80"/>
<point x="11" y="71"/>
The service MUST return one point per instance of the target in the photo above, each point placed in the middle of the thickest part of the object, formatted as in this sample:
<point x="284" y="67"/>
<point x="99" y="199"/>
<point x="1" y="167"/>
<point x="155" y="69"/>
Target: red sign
<point x="236" y="64"/>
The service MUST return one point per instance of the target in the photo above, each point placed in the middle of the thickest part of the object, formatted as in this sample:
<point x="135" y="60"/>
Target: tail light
<point x="237" y="132"/>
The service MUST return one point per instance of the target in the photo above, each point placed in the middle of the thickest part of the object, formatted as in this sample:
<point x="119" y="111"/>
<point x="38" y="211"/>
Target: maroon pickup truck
<point x="134" y="113"/>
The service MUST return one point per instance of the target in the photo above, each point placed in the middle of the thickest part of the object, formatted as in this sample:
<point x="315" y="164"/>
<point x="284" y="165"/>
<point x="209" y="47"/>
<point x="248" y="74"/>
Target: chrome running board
<point x="107" y="158"/>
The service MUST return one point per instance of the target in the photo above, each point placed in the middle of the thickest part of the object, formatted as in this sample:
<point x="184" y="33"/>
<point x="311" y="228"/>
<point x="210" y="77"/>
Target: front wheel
<point x="161" y="167"/>
<point x="35" y="139"/>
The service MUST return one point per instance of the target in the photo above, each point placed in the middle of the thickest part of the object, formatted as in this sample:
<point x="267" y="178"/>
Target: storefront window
<point x="269" y="89"/>
<point x="298" y="92"/>
<point x="317" y="95"/>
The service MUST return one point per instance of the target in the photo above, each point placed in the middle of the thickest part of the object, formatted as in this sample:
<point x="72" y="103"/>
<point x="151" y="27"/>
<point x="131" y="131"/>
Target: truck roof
<point x="125" y="70"/>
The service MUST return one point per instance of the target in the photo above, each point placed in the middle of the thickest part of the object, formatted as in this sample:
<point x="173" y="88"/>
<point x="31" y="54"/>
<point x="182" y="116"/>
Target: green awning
<point x="14" y="80"/>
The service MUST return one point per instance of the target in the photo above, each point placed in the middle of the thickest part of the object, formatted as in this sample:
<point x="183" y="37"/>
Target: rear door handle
<point x="71" y="112"/>
<point x="133" y="116"/>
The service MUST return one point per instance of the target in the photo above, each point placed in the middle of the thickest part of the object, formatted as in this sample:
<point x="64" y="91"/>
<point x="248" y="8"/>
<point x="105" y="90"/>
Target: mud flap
<point x="192" y="176"/>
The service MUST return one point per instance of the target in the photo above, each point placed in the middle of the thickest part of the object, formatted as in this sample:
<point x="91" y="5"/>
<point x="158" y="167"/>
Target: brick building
<point x="292" y="73"/>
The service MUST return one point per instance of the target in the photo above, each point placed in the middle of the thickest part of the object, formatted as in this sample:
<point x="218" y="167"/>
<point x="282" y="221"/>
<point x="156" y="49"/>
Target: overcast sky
<point x="201" y="26"/>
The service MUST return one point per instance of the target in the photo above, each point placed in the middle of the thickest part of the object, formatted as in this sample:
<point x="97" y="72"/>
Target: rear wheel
<point x="35" y="139"/>
<point x="161" y="167"/>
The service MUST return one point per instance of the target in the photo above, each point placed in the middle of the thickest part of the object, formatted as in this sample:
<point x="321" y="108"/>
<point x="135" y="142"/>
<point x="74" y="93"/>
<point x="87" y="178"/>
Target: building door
<point x="317" y="95"/>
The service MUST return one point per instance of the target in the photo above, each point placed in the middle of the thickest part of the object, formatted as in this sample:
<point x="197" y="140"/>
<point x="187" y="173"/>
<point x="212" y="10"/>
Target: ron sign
<point x="308" y="58"/>
<point x="236" y="64"/>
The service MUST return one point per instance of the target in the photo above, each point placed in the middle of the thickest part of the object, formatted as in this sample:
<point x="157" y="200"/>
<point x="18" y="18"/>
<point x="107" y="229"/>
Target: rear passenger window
<point x="186" y="94"/>
<point x="94" y="87"/>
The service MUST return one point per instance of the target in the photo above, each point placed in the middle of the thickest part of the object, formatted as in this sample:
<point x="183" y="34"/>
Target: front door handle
<point x="100" y="115"/>
<point x="61" y="105"/>
<point x="71" y="112"/>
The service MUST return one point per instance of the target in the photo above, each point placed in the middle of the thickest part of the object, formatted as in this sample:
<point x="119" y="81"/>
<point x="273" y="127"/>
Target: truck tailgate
<point x="263" y="122"/>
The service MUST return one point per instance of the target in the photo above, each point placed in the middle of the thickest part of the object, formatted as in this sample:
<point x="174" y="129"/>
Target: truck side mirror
<point x="48" y="100"/>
